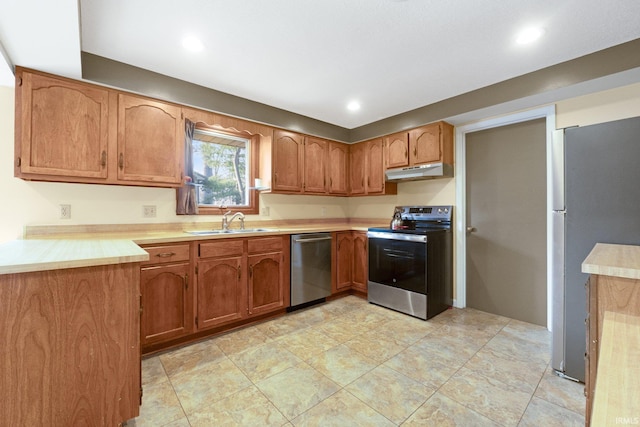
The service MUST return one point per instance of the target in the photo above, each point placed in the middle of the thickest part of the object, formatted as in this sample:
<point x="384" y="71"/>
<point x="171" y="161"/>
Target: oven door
<point x="398" y="260"/>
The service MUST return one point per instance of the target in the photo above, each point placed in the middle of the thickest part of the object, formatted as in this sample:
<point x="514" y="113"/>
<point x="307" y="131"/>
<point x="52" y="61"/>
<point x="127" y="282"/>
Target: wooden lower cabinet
<point x="70" y="346"/>
<point x="266" y="283"/>
<point x="241" y="278"/>
<point x="220" y="292"/>
<point x="166" y="294"/>
<point x="605" y="293"/>
<point x="343" y="250"/>
<point x="350" y="261"/>
<point x="360" y="269"/>
<point x="166" y="310"/>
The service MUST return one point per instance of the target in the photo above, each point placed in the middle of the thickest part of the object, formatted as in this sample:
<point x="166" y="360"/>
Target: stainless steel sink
<point x="233" y="231"/>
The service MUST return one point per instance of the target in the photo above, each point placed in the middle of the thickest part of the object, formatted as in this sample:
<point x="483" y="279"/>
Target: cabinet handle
<point x="103" y="160"/>
<point x="121" y="161"/>
<point x="251" y="271"/>
<point x="275" y="177"/>
<point x="415" y="151"/>
<point x="185" y="279"/>
<point x="239" y="272"/>
<point x="165" y="254"/>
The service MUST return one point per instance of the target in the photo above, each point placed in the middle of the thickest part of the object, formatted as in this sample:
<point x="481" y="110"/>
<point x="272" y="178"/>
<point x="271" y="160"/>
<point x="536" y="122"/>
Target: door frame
<point x="549" y="113"/>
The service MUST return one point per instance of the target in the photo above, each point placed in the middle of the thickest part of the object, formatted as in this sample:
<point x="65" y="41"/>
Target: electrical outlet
<point x="149" y="211"/>
<point x="65" y="211"/>
<point x="265" y="211"/>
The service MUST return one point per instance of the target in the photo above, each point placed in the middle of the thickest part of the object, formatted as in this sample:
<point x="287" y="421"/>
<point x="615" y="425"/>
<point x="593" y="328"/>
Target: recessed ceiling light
<point x="192" y="43"/>
<point x="529" y="35"/>
<point x="353" y="106"/>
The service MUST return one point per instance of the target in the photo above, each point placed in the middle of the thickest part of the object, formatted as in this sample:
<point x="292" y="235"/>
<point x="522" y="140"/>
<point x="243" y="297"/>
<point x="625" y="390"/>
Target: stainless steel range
<point x="410" y="264"/>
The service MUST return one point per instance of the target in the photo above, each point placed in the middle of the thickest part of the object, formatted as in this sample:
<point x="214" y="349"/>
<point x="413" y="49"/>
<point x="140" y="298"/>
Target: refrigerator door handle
<point x="558" y="350"/>
<point x="557" y="170"/>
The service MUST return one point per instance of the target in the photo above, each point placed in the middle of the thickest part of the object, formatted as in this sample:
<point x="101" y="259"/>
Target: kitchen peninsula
<point x="613" y="334"/>
<point x="69" y="328"/>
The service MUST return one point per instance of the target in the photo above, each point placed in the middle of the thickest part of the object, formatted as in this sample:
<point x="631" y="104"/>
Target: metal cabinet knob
<point x="471" y="230"/>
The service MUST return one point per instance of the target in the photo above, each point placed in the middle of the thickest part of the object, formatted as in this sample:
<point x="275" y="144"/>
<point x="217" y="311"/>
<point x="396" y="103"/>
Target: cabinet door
<point x="357" y="169"/>
<point x="150" y="141"/>
<point x="266" y="283"/>
<point x="164" y="303"/>
<point x="315" y="165"/>
<point x="61" y="127"/>
<point x="360" y="261"/>
<point x="397" y="147"/>
<point x="220" y="292"/>
<point x="288" y="161"/>
<point x="344" y="260"/>
<point x="338" y="168"/>
<point x="425" y="144"/>
<point x="375" y="166"/>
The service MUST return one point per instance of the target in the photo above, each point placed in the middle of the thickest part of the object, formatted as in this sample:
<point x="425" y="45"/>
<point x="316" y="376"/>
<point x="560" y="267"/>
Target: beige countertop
<point x="182" y="236"/>
<point x="617" y="385"/>
<point x="171" y="233"/>
<point x="613" y="260"/>
<point x="51" y="248"/>
<point x="22" y="256"/>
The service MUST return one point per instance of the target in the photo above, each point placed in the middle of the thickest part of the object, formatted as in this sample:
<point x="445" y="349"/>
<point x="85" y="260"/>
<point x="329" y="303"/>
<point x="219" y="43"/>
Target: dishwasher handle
<point x="312" y="239"/>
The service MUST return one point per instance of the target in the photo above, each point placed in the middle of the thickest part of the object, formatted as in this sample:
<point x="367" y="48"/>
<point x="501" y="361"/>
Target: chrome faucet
<point x="227" y="222"/>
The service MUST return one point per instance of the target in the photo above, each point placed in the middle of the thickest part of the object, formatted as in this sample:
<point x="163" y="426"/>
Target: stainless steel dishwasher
<point x="310" y="268"/>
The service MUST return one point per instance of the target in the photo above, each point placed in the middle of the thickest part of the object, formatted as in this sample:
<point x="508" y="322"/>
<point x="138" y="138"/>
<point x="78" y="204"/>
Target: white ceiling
<point x="313" y="57"/>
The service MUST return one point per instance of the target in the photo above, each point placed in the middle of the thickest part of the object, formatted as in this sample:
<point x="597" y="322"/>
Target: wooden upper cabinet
<point x="338" y="168"/>
<point x="357" y="171"/>
<point x="367" y="166"/>
<point x="287" y="161"/>
<point x="431" y="144"/>
<point x="397" y="150"/>
<point x="150" y="140"/>
<point x="315" y="165"/>
<point x="375" y="166"/>
<point x="62" y="127"/>
<point x="72" y="131"/>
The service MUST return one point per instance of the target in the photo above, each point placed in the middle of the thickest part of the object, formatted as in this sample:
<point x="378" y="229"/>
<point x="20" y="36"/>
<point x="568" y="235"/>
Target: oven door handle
<point x="397" y="236"/>
<point x="390" y="255"/>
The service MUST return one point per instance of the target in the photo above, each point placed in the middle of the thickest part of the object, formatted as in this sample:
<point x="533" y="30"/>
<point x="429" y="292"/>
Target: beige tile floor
<point x="349" y="363"/>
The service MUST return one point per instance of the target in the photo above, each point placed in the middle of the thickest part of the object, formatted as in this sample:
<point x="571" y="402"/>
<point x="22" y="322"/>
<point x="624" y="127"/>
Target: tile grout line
<point x="174" y="392"/>
<point x="462" y="366"/>
<point x="346" y="310"/>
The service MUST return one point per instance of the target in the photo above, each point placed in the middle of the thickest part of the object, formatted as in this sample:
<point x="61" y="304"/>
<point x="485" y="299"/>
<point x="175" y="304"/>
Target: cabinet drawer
<point x="266" y="244"/>
<point x="167" y="254"/>
<point x="224" y="247"/>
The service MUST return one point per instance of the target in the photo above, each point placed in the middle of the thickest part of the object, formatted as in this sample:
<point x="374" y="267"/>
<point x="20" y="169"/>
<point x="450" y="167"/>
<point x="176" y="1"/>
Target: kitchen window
<point x="224" y="166"/>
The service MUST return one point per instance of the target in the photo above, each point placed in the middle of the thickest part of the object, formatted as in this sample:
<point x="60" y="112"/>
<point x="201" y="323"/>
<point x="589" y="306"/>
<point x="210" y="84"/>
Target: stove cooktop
<point x="421" y="230"/>
<point x="420" y="219"/>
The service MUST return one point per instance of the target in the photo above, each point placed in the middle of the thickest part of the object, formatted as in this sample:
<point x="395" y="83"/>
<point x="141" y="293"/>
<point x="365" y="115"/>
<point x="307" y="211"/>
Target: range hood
<point x="414" y="173"/>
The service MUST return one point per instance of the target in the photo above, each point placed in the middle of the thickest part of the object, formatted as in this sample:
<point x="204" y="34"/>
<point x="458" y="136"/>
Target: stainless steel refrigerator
<point x="596" y="198"/>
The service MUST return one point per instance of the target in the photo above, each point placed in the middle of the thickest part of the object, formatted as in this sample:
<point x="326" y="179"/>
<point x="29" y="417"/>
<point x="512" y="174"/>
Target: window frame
<point x="252" y="208"/>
